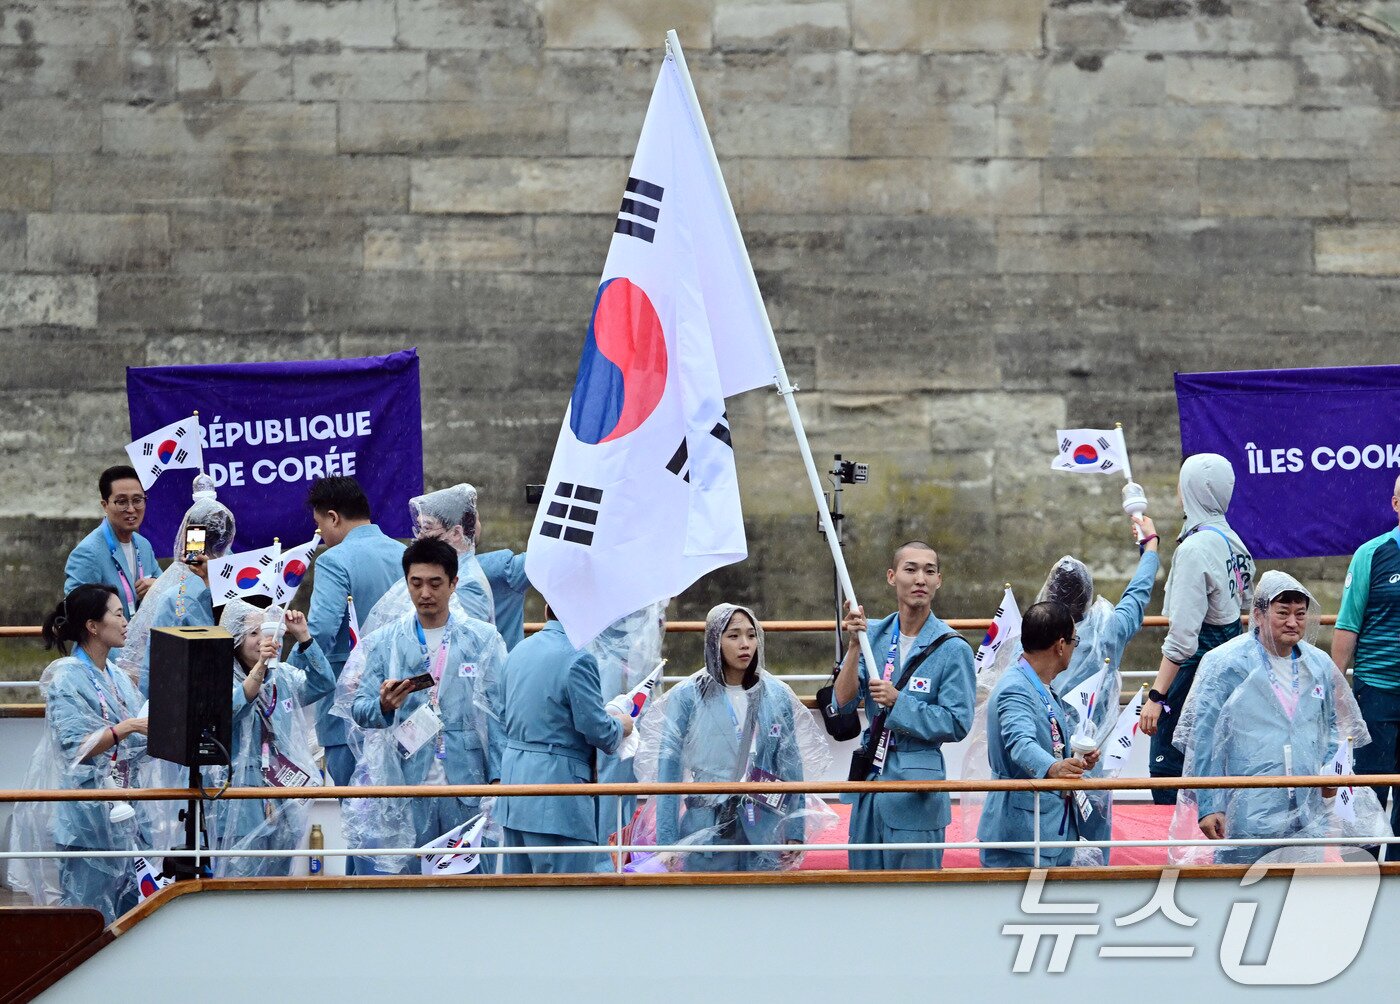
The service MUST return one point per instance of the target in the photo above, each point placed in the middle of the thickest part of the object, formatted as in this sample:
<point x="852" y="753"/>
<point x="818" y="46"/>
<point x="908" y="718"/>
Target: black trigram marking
<point x="181" y="456"/>
<point x="156" y="470"/>
<point x="230" y="594"/>
<point x="179" y="432"/>
<point x="576" y="509"/>
<point x="721" y="430"/>
<point x="265" y="560"/>
<point x="1107" y="465"/>
<point x="679" y="464"/>
<point x="147" y="449"/>
<point x="637" y="212"/>
<point x="226" y="572"/>
<point x="1103" y="443"/>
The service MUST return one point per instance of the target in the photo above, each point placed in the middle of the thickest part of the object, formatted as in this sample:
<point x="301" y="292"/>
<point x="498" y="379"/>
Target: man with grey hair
<point x="1367" y="637"/>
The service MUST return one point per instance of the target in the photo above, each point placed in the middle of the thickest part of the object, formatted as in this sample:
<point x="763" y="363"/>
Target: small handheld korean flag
<point x="1346" y="797"/>
<point x="1090" y="451"/>
<point x="178" y="444"/>
<point x="642" y="496"/>
<point x="1082" y="697"/>
<point x="633" y="703"/>
<point x="354" y="621"/>
<point x="1125" y="731"/>
<point x="453" y="862"/>
<point x="149" y="879"/>
<point x="250" y="573"/>
<point x="1005" y="626"/>
<point x="292" y="567"/>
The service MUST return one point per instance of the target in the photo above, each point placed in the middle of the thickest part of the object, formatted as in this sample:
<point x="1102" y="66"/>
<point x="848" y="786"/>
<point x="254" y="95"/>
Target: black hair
<point x="1290" y="596"/>
<point x="342" y="495"/>
<point x="67" y="623"/>
<point x="112" y="474"/>
<point x="1045" y="623"/>
<point x="431" y="551"/>
<point x="922" y="544"/>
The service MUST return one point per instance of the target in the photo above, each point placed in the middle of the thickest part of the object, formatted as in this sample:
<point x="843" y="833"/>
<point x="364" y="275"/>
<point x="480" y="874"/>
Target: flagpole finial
<point x="1008" y="585"/>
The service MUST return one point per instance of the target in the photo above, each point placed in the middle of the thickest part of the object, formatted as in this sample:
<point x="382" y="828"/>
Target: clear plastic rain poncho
<point x="627" y="651"/>
<point x="466" y="751"/>
<point x="271" y="748"/>
<point x="1253" y="712"/>
<point x="179" y="598"/>
<point x="694" y="734"/>
<point x="1069" y="582"/>
<point x="442" y="514"/>
<point x="83" y="702"/>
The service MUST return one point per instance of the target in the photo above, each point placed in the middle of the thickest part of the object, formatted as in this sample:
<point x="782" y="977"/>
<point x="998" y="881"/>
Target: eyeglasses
<point x="123" y="502"/>
<point x="1074" y="641"/>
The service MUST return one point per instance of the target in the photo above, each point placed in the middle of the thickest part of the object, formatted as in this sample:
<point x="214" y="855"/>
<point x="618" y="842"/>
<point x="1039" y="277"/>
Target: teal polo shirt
<point x="1371" y="608"/>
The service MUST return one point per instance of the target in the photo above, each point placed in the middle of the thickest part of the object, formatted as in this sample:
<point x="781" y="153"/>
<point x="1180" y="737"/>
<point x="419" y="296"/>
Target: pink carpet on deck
<point x="1131" y="821"/>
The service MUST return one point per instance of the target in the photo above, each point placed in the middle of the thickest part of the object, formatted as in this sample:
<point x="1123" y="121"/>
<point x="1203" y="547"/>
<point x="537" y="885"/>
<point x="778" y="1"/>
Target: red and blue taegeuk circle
<point x="622" y="371"/>
<point x="247" y="578"/>
<point x="992" y="632"/>
<point x="293" y="572"/>
<point x="166" y="450"/>
<point x="1085" y="454"/>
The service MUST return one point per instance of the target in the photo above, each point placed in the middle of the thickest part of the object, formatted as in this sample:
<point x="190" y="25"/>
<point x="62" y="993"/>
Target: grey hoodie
<point x="1204" y="585"/>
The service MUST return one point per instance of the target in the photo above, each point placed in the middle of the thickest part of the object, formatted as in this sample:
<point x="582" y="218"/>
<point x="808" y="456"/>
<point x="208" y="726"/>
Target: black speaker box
<point x="191" y="695"/>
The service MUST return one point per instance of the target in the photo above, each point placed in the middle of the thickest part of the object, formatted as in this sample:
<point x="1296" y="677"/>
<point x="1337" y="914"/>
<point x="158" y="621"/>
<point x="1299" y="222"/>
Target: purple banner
<point x="270" y="429"/>
<point x="1316" y="452"/>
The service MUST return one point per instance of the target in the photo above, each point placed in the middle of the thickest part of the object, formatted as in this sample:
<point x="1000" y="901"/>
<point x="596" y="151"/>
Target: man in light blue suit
<point x="552" y="709"/>
<point x="360" y="560"/>
<point x="114" y="554"/>
<point x="933" y="706"/>
<point x="1028" y="734"/>
<point x="505" y="570"/>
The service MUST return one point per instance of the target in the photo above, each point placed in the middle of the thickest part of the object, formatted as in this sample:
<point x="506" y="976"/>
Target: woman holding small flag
<point x="271" y="736"/>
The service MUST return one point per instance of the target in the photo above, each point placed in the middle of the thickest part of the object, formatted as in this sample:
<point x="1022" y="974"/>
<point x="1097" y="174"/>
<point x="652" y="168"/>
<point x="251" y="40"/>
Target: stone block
<point x="572" y="243"/>
<point x="1373" y="190"/>
<point x="799" y="78"/>
<point x="1085" y="78"/>
<point x="927" y="245"/>
<point x="781" y="27"/>
<point x="499" y="128"/>
<point x="87" y="73"/>
<point x="328" y="24"/>
<point x="1106" y="187"/>
<point x="516" y="185"/>
<point x="1126" y="246"/>
<point x="1213" y="80"/>
<point x="60" y="359"/>
<point x="148" y="301"/>
<point x="26" y="182"/>
<point x="1298" y="188"/>
<point x="209" y="129"/>
<point x="484" y="75"/>
<point x="886" y="127"/>
<point x="121" y="241"/>
<point x="1011" y="424"/>
<point x="67" y="22"/>
<point x="763" y="130"/>
<point x="49" y="125"/>
<point x="232" y="303"/>
<point x="233" y="74"/>
<point x="494" y="25"/>
<point x="342" y="184"/>
<point x="197" y="348"/>
<point x="361" y="76"/>
<point x="605" y="130"/>
<point x="1098" y="131"/>
<point x="122" y="184"/>
<point x="1361" y="249"/>
<point x="947" y="25"/>
<point x="67" y="300"/>
<point x="626" y="24"/>
<point x="451" y="244"/>
<point x="1335" y="79"/>
<point x="12" y="241"/>
<point x="264" y="242"/>
<point x="886" y="186"/>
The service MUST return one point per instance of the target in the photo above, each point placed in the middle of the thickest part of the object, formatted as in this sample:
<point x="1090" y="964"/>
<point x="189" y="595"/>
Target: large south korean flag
<point x="642" y="497"/>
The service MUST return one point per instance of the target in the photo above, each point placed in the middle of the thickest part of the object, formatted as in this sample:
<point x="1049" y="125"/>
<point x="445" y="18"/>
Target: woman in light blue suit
<point x="1028" y="734"/>
<point x="271" y="737"/>
<point x="93" y="739"/>
<point x="732" y="721"/>
<point x="462" y="744"/>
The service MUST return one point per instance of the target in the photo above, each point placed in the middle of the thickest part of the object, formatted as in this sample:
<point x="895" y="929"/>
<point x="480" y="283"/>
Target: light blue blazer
<point x="92" y="561"/>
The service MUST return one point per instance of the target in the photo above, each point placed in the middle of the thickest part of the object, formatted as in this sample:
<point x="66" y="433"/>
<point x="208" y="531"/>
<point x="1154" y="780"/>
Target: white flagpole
<point x="780" y="378"/>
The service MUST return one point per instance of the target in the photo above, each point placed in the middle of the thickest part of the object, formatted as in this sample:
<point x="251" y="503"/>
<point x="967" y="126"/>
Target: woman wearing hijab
<point x="732" y="721"/>
<point x="1207" y="593"/>
<point x="271" y="738"/>
<point x="94" y="738"/>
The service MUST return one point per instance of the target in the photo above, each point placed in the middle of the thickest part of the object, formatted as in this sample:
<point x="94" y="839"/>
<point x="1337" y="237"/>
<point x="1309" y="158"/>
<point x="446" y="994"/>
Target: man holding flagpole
<point x="921" y="697"/>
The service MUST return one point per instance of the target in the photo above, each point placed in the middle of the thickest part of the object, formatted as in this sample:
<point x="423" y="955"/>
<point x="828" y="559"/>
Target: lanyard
<point x="121" y="572"/>
<point x="434" y="666"/>
<point x="1057" y="742"/>
<point x="267" y="707"/>
<point x="1268" y="666"/>
<point x="102" y="707"/>
<point x="892" y="658"/>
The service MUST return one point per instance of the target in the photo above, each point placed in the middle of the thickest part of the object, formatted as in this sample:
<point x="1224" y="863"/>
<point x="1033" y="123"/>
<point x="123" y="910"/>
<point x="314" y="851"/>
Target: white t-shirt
<point x="739" y="701"/>
<point x="129" y="553"/>
<point x="434" y="639"/>
<point x="906" y="645"/>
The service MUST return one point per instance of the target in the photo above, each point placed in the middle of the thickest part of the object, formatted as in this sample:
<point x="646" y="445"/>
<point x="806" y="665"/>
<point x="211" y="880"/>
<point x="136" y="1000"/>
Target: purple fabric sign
<point x="270" y="429"/>
<point x="1316" y="452"/>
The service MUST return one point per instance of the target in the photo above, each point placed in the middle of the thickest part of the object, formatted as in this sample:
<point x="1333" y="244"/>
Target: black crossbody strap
<point x="877" y="727"/>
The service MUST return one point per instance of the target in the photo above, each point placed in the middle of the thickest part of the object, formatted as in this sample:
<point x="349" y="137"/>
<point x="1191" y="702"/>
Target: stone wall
<point x="973" y="220"/>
